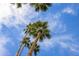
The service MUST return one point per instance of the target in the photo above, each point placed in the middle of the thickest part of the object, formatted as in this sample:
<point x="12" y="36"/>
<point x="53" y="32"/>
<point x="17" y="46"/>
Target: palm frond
<point x="40" y="6"/>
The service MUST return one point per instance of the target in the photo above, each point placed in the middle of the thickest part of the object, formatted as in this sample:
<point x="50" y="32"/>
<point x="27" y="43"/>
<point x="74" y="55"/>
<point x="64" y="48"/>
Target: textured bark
<point x="20" y="50"/>
<point x="21" y="47"/>
<point x="17" y="54"/>
<point x="33" y="45"/>
<point x="32" y="48"/>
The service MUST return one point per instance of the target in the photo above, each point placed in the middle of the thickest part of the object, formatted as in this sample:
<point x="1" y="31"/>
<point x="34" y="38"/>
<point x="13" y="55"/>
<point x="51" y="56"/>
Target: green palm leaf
<point x="40" y="6"/>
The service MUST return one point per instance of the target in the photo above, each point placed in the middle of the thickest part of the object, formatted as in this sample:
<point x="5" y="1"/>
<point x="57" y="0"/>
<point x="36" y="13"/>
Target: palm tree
<point x="36" y="49"/>
<point x="40" y="6"/>
<point x="39" y="31"/>
<point x="38" y="34"/>
<point x="17" y="4"/>
<point x="25" y="42"/>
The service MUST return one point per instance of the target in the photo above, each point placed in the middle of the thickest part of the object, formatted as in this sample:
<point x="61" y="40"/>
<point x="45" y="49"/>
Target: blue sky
<point x="62" y="22"/>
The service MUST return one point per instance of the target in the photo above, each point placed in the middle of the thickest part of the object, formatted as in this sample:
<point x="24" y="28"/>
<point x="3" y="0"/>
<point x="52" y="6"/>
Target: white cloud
<point x="61" y="36"/>
<point x="70" y="46"/>
<point x="58" y="39"/>
<point x="7" y="14"/>
<point x="22" y="15"/>
<point x="74" y="48"/>
<point x="4" y="40"/>
<point x="66" y="41"/>
<point x="68" y="10"/>
<point x="55" y="24"/>
<point x="4" y="10"/>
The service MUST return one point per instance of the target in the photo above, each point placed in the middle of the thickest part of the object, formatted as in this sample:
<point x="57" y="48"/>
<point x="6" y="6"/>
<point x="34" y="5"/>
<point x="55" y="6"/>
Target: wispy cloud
<point x="68" y="10"/>
<point x="11" y="16"/>
<point x="4" y="10"/>
<point x="4" y="40"/>
<point x="57" y="27"/>
<point x="65" y="41"/>
<point x="60" y="36"/>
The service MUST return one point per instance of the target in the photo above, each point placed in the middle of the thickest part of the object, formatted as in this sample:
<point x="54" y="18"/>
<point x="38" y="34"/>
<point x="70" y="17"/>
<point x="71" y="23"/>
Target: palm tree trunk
<point x="17" y="54"/>
<point x="21" y="47"/>
<point x="20" y="50"/>
<point x="32" y="48"/>
<point x="33" y="45"/>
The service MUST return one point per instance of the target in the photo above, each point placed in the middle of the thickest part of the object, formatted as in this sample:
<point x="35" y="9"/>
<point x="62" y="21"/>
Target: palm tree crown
<point x="39" y="27"/>
<point x="40" y="6"/>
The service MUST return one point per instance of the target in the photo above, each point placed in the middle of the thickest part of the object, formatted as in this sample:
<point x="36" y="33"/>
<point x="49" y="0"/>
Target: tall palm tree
<point x="32" y="28"/>
<point x="40" y="6"/>
<point x="39" y="31"/>
<point x="36" y="49"/>
<point x="25" y="42"/>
